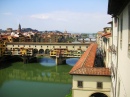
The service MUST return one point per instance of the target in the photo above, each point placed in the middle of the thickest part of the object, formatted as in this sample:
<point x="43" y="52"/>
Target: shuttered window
<point x="80" y="84"/>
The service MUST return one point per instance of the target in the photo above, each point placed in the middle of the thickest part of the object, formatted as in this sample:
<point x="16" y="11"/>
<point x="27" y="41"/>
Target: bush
<point x="69" y="95"/>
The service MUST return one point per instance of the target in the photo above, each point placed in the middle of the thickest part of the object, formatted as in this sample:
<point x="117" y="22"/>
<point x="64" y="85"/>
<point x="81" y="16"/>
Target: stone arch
<point x="41" y="51"/>
<point x="98" y="94"/>
<point x="47" y="51"/>
<point x="35" y="51"/>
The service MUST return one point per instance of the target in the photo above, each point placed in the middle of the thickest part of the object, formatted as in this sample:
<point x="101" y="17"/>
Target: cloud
<point x="73" y="21"/>
<point x="67" y="16"/>
<point x="58" y="16"/>
<point x="40" y="16"/>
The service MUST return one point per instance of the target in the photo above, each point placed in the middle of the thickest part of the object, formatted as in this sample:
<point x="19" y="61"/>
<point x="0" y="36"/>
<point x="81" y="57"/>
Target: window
<point x="99" y="85"/>
<point x="80" y="84"/>
<point x="129" y="32"/>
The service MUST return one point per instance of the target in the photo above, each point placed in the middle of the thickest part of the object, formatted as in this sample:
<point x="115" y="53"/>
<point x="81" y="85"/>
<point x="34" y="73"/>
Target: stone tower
<point x="19" y="28"/>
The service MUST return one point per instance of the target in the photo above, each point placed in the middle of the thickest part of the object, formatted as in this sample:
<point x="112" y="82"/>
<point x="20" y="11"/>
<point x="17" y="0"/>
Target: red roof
<point x="106" y="35"/>
<point x="85" y="65"/>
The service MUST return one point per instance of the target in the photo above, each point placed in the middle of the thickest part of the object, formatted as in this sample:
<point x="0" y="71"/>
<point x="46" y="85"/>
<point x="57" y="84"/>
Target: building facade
<point x="120" y="64"/>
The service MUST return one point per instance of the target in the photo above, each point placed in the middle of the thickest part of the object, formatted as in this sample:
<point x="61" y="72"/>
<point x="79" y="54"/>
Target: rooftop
<point x="85" y="65"/>
<point x="116" y="6"/>
<point x="107" y="35"/>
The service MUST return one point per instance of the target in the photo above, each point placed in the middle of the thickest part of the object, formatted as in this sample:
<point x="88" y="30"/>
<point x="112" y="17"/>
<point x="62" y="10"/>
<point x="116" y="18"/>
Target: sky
<point x="74" y="16"/>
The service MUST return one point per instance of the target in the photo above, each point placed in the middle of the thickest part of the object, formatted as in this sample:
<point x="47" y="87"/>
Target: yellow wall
<point x="90" y="85"/>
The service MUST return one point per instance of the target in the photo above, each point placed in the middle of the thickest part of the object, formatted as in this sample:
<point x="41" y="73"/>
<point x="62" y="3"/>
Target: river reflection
<point x="72" y="61"/>
<point x="47" y="61"/>
<point x="35" y="80"/>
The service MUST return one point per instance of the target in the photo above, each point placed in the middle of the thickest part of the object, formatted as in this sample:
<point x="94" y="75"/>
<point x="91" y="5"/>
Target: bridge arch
<point x="41" y="51"/>
<point x="47" y="51"/>
<point x="35" y="51"/>
<point x="98" y="94"/>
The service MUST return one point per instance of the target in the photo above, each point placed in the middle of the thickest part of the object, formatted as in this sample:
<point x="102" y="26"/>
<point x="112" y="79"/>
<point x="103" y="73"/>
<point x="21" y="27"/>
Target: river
<point x="43" y="79"/>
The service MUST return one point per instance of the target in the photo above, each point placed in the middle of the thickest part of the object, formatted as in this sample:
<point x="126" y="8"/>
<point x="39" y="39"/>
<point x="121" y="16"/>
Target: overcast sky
<point x="82" y="16"/>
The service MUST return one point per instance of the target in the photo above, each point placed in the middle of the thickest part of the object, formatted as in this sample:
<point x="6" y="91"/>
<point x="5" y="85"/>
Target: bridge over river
<point x="59" y="51"/>
<point x="46" y="47"/>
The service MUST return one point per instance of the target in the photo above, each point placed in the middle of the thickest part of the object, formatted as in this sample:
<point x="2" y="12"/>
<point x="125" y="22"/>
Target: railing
<point x="66" y="54"/>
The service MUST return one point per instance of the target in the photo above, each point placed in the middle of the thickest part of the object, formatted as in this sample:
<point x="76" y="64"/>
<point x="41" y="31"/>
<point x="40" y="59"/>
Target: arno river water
<point x="42" y="79"/>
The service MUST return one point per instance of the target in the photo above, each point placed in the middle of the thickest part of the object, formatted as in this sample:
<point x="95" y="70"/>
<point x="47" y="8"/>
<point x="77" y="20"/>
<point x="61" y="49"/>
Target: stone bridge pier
<point x="60" y="60"/>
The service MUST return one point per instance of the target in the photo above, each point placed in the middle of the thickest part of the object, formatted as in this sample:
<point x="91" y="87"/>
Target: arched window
<point x="98" y="94"/>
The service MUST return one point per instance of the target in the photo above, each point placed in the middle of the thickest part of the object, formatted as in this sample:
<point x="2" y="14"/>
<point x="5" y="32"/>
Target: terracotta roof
<point x="106" y="34"/>
<point x="85" y="65"/>
<point x="92" y="71"/>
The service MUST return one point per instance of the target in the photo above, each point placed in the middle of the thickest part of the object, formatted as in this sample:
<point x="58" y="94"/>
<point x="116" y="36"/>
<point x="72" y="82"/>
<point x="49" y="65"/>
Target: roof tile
<point x="85" y="64"/>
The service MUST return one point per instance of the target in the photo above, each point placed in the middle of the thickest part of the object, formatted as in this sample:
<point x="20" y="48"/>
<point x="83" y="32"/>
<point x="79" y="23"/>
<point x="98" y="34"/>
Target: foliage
<point x="69" y="95"/>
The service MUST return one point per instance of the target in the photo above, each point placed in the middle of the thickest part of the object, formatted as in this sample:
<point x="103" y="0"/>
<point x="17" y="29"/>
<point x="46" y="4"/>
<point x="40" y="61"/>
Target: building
<point x="89" y="78"/>
<point x="99" y="38"/>
<point x="19" y="28"/>
<point x="9" y="30"/>
<point x="120" y="63"/>
<point x="2" y="47"/>
<point x="106" y="43"/>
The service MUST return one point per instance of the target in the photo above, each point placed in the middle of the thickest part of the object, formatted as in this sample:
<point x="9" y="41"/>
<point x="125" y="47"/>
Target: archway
<point x="35" y="51"/>
<point x="41" y="51"/>
<point x="98" y="95"/>
<point x="47" y="51"/>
